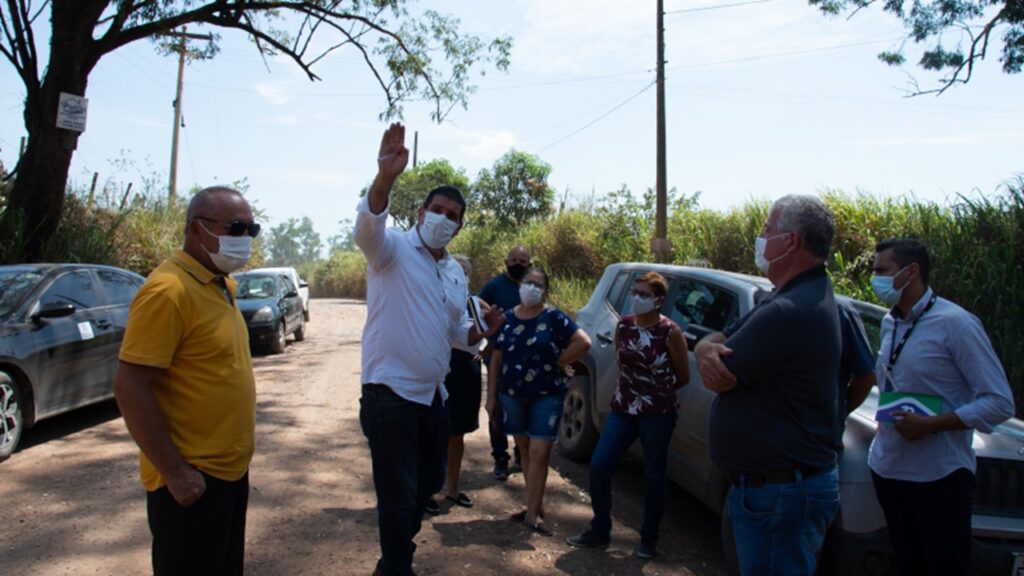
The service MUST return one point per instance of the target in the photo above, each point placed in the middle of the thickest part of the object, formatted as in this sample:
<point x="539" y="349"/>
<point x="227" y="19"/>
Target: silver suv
<point x="703" y="301"/>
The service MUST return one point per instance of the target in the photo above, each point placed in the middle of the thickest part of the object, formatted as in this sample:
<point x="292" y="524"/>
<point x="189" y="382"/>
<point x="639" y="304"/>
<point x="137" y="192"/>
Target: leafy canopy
<point x="292" y="243"/>
<point x="956" y="33"/>
<point x="513" y="192"/>
<point x="412" y="187"/>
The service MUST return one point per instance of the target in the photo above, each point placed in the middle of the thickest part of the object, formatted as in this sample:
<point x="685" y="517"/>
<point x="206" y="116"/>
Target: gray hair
<point x="202" y="200"/>
<point x="809" y="217"/>
<point x="464" y="261"/>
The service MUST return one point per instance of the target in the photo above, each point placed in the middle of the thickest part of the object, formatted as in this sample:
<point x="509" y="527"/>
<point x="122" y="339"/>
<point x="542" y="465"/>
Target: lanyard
<point x="897" y="348"/>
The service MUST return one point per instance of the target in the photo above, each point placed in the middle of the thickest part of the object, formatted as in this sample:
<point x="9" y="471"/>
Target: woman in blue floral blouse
<point x="533" y="354"/>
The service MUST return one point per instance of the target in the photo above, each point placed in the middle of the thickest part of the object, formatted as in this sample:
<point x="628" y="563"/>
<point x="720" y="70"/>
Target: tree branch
<point x="20" y="54"/>
<point x="976" y="53"/>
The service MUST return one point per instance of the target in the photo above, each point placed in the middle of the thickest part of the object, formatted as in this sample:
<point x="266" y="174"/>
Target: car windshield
<point x="256" y="287"/>
<point x="14" y="285"/>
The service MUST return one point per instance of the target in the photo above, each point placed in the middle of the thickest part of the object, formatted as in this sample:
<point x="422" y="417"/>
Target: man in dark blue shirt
<point x="503" y="291"/>
<point x="772" y="427"/>
<point x="856" y="369"/>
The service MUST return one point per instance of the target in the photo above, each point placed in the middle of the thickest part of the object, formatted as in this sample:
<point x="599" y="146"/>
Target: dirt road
<point x="72" y="504"/>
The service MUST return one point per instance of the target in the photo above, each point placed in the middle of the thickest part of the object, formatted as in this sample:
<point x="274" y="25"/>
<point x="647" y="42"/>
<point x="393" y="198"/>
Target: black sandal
<point x="460" y="500"/>
<point x="521" y="516"/>
<point x="541" y="529"/>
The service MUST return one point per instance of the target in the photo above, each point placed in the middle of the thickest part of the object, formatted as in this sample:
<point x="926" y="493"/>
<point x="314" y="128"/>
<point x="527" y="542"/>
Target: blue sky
<point x="762" y="100"/>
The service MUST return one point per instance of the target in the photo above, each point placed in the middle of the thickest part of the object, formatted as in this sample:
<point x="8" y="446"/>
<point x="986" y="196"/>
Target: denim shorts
<point x="534" y="417"/>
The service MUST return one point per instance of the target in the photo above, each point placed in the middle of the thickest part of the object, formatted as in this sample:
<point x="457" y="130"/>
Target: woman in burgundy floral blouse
<point x="653" y="364"/>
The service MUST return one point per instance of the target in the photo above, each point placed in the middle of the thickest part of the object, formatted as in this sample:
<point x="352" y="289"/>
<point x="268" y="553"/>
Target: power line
<point x="599" y="118"/>
<point x="716" y="7"/>
<point x="784" y="54"/>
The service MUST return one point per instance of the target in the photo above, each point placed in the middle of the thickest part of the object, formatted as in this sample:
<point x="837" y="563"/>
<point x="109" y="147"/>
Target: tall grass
<point x="976" y="245"/>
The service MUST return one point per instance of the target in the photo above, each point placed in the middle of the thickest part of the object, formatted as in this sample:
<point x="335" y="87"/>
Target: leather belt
<point x="784" y="477"/>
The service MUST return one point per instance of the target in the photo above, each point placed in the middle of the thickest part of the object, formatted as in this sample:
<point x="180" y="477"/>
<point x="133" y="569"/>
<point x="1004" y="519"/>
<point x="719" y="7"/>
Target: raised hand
<point x="393" y="155"/>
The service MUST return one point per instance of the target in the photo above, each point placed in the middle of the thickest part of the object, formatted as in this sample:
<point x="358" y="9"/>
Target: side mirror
<point x="53" y="310"/>
<point x="303" y="284"/>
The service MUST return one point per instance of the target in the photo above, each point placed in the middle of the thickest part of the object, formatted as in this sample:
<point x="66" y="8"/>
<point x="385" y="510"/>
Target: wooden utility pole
<point x="415" y="147"/>
<point x="173" y="180"/>
<point x="660" y="244"/>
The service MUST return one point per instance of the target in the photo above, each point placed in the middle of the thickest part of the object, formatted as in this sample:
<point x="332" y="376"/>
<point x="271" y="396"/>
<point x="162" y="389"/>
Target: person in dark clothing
<point x="464" y="398"/>
<point x="856" y="369"/>
<point x="503" y="291"/>
<point x="772" y="427"/>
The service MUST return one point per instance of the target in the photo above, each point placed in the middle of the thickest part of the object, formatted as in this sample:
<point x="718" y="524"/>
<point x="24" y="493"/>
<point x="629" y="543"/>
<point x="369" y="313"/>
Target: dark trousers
<point x="206" y="538"/>
<point x="929" y="523"/>
<point x="409" y="449"/>
<point x="499" y="441"/>
<point x="619" y="433"/>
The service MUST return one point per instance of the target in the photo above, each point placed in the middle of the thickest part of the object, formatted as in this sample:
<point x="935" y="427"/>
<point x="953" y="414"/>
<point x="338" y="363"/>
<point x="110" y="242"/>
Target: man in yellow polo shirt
<point x="186" y="390"/>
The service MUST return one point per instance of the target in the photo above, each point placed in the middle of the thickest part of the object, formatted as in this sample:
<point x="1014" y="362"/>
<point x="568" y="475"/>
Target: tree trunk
<point x="37" y="198"/>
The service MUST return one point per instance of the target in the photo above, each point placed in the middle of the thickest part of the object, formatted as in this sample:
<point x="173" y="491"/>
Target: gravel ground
<point x="72" y="503"/>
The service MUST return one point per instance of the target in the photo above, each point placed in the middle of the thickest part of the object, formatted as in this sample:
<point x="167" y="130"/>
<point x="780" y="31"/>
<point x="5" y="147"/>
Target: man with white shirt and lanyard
<point x="923" y="465"/>
<point x="416" y="310"/>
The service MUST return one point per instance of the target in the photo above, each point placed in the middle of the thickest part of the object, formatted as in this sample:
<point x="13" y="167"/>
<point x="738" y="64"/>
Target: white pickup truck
<point x="299" y="283"/>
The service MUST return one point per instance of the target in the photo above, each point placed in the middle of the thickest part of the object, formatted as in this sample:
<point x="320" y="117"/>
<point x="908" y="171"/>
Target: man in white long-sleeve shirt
<point x="416" y="310"/>
<point x="923" y="465"/>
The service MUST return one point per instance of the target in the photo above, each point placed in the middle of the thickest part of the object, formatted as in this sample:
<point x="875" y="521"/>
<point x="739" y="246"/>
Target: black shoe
<point x="646" y="551"/>
<point x="517" y="468"/>
<point x="433" y="508"/>
<point x="500" y="471"/>
<point x="587" y="540"/>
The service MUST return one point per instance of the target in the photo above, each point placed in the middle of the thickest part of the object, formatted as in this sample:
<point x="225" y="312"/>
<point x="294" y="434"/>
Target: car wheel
<point x="732" y="561"/>
<point x="278" y="343"/>
<point x="577" y="435"/>
<point x="11" y="419"/>
<point x="300" y="332"/>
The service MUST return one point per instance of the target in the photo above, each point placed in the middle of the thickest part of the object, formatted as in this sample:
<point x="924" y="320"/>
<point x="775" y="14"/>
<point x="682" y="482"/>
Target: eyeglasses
<point x="236" y="227"/>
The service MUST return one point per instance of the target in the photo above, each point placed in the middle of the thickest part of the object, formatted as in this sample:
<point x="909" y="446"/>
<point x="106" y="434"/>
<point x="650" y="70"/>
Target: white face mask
<point x="643" y="304"/>
<point x="530" y="295"/>
<point x="437" y="230"/>
<point x="233" y="253"/>
<point x="760" y="245"/>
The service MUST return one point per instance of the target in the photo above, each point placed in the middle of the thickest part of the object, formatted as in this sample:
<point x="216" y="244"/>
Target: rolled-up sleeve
<point x="977" y="361"/>
<point x="371" y="235"/>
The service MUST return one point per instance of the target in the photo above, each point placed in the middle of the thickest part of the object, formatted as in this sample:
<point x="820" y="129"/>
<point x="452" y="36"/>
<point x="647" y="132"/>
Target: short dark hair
<point x="450" y="192"/>
<point x="906" y="251"/>
<point x="657" y="282"/>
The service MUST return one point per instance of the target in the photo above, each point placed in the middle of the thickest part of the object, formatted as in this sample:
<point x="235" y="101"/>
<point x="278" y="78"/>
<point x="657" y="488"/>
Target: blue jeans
<point x="409" y="449"/>
<point x="779" y="528"/>
<point x="619" y="433"/>
<point x="534" y="417"/>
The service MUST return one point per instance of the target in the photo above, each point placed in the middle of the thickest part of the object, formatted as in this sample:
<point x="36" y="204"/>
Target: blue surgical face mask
<point x="885" y="290"/>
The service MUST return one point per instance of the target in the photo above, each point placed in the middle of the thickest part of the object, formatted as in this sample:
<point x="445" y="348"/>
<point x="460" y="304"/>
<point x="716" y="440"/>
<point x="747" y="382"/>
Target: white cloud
<point x="272" y="92"/>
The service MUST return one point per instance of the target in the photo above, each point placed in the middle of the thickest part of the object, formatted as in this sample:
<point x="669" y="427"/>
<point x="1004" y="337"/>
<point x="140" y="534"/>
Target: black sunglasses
<point x="236" y="227"/>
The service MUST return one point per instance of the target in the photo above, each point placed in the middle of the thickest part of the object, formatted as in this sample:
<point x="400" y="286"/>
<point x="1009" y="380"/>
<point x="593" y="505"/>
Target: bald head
<point x="211" y="214"/>
<point x="517" y="262"/>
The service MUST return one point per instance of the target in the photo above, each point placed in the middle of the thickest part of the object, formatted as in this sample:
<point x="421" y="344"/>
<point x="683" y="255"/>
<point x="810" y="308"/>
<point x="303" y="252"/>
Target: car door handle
<point x="103" y="324"/>
<point x="605" y="337"/>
